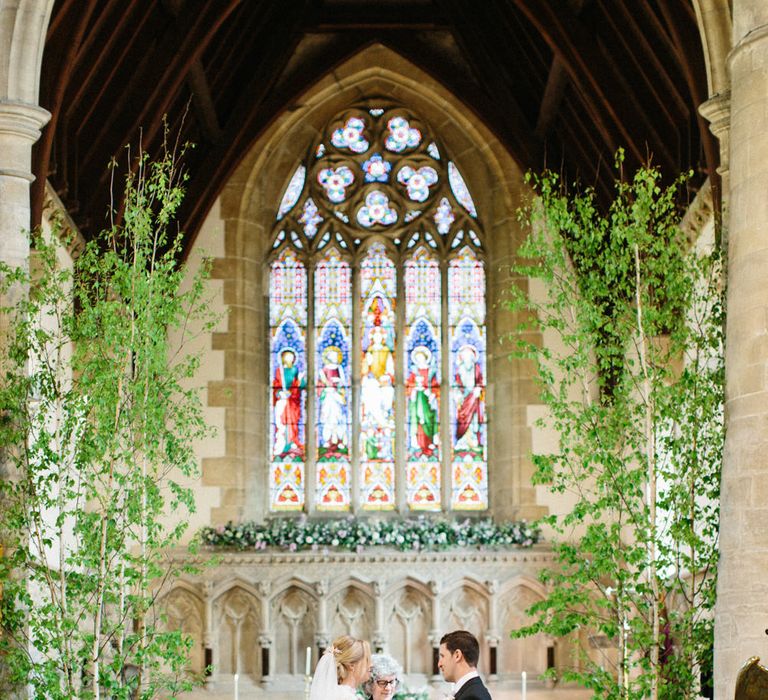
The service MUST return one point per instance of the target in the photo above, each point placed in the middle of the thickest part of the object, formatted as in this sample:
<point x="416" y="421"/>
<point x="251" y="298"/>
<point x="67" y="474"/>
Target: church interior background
<point x="356" y="176"/>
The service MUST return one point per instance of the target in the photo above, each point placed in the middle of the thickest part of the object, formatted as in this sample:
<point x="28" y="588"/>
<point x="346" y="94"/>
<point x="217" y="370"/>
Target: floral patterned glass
<point x="417" y="182"/>
<point x="376" y="210"/>
<point x="310" y="218"/>
<point x="401" y="135"/>
<point x="444" y="216"/>
<point x="351" y="136"/>
<point x="335" y="182"/>
<point x="376" y="169"/>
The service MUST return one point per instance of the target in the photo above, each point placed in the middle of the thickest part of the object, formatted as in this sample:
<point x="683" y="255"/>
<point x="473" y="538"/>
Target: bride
<point x="345" y="665"/>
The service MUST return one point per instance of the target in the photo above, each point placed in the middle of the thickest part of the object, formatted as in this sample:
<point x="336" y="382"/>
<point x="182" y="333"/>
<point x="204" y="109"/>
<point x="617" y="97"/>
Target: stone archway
<point x="248" y="204"/>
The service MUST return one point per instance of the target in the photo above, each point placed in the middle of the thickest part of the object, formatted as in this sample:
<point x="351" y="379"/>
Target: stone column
<point x="741" y="615"/>
<point x="20" y="125"/>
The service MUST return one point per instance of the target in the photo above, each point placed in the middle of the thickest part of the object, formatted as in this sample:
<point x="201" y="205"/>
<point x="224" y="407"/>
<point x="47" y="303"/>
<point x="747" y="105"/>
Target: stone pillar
<point x="741" y="615"/>
<point x="20" y="125"/>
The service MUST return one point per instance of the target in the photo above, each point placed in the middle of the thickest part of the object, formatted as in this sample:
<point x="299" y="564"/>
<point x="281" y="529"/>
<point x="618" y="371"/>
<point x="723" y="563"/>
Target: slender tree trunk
<point x="650" y="457"/>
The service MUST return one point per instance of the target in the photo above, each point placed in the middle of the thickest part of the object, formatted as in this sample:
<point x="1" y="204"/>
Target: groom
<point x="459" y="652"/>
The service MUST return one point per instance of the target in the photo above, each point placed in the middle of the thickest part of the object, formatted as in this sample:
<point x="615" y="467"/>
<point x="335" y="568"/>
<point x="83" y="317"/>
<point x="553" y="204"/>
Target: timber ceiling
<point x="562" y="83"/>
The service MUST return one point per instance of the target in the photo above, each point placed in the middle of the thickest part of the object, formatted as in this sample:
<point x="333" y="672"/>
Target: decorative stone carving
<point x="389" y="598"/>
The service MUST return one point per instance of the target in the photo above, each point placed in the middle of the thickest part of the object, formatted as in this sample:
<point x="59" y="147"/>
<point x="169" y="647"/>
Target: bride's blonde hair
<point x="349" y="652"/>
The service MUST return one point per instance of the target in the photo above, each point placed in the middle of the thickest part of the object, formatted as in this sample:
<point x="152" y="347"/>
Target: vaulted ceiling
<point x="562" y="83"/>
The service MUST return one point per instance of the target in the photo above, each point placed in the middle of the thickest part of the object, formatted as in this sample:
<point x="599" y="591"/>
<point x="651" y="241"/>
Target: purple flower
<point x="292" y="547"/>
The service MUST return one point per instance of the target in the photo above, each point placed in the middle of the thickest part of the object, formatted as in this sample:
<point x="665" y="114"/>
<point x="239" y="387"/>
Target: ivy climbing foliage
<point x="98" y="423"/>
<point x="627" y="340"/>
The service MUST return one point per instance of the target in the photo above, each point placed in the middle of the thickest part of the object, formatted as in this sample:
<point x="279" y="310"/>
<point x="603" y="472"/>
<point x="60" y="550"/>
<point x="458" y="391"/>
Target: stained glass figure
<point x="417" y="182"/>
<point x="335" y="182"/>
<point x="292" y="192"/>
<point x="376" y="169"/>
<point x="466" y="316"/>
<point x="401" y="135"/>
<point x="288" y="321"/>
<point x="333" y="431"/>
<point x="422" y="383"/>
<point x="444" y="216"/>
<point x="351" y="136"/>
<point x="433" y="150"/>
<point x="310" y="218"/>
<point x="377" y="386"/>
<point x="376" y="210"/>
<point x="459" y="189"/>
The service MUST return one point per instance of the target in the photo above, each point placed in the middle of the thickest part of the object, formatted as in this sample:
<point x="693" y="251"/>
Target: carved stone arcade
<point x="255" y="613"/>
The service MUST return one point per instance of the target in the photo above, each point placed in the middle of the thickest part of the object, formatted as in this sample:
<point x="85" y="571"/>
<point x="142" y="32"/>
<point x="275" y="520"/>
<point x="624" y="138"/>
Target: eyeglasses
<point x="385" y="684"/>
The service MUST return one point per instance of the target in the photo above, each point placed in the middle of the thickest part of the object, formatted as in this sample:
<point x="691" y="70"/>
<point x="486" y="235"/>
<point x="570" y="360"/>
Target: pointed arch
<point x="250" y="203"/>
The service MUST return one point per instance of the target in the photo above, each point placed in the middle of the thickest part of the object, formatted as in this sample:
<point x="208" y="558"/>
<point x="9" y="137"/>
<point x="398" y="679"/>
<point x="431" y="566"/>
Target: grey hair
<point x="382" y="665"/>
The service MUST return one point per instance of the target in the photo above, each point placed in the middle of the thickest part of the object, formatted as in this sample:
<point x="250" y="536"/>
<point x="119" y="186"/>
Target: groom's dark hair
<point x="465" y="642"/>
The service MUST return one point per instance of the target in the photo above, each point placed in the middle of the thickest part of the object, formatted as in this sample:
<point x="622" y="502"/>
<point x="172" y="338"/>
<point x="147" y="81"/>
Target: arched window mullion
<point x="400" y="399"/>
<point x="310" y="463"/>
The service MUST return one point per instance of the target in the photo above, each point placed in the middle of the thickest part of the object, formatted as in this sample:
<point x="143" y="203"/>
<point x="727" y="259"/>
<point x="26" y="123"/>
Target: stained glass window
<point x="292" y="192"/>
<point x="288" y="324"/>
<point x="422" y="380"/>
<point x="466" y="320"/>
<point x="377" y="213"/>
<point x="459" y="188"/>
<point x="333" y="426"/>
<point x="377" y="379"/>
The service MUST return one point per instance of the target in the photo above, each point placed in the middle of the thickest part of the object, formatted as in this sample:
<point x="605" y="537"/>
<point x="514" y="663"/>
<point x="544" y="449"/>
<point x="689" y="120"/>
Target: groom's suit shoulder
<point x="473" y="690"/>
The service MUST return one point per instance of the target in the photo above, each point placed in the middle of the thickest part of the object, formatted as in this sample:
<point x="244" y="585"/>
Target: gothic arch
<point x="248" y="206"/>
<point x="23" y="26"/>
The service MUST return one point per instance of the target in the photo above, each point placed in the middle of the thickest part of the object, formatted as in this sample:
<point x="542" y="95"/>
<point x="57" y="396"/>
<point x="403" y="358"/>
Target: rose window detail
<point x="401" y="135"/>
<point x="351" y="136"/>
<point x="376" y="169"/>
<point x="335" y="182"/>
<point x="417" y="182"/>
<point x="376" y="211"/>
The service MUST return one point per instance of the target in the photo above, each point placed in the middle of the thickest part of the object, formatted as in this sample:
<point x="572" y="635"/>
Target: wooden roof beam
<point x="575" y="47"/>
<point x="181" y="44"/>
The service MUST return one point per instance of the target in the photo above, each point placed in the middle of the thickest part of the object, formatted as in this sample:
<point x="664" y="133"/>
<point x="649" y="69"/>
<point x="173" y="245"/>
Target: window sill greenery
<point x="422" y="533"/>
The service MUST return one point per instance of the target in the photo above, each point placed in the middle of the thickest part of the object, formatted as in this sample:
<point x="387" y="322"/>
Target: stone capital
<point x="717" y="111"/>
<point x="20" y="126"/>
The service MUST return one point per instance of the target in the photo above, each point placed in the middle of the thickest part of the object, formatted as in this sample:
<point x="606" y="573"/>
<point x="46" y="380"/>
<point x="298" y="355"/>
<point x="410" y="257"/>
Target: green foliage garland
<point x="355" y="534"/>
